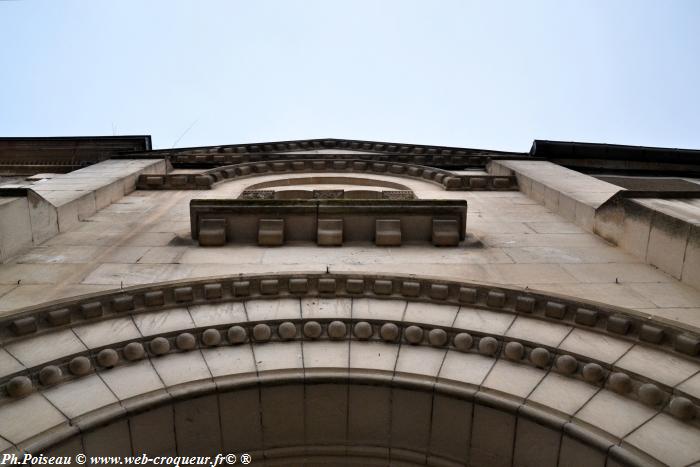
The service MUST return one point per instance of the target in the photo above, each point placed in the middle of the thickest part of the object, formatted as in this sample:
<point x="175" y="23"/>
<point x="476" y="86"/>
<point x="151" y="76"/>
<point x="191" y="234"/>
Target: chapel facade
<point x="344" y="302"/>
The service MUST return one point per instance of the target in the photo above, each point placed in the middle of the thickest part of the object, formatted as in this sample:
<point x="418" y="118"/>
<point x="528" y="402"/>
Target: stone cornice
<point x="379" y="147"/>
<point x="622" y="323"/>
<point x="448" y="180"/>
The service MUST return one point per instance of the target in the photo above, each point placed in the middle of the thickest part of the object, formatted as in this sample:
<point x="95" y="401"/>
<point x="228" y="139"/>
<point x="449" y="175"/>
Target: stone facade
<point x="148" y="305"/>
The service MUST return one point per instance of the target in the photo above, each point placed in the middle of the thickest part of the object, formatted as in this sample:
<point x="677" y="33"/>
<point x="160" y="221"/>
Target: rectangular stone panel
<point x="492" y="438"/>
<point x="197" y="426"/>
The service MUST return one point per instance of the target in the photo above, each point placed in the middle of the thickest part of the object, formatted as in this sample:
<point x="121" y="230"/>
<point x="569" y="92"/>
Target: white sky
<point x="489" y="74"/>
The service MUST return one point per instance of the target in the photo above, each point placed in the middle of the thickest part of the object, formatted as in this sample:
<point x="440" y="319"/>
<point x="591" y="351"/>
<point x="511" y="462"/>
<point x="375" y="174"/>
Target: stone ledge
<point x="58" y="204"/>
<point x="442" y="222"/>
<point x="660" y="228"/>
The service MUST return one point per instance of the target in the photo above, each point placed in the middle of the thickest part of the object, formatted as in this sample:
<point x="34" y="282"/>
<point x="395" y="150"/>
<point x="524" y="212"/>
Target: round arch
<point x="459" y="372"/>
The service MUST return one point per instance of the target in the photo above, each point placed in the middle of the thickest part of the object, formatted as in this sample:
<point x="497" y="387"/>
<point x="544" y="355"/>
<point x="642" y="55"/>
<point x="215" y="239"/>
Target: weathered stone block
<point x="496" y="298"/>
<point x="383" y="287"/>
<point x="271" y="232"/>
<point x="586" y="317"/>
<point x="183" y="294"/>
<point x="477" y="183"/>
<point x="501" y="183"/>
<point x="468" y="294"/>
<point x="388" y="232"/>
<point x="58" y="317"/>
<point x="154" y="180"/>
<point x="525" y="304"/>
<point x="355" y="285"/>
<point x="452" y="183"/>
<point x="241" y="288"/>
<point x="177" y="180"/>
<point x="24" y="326"/>
<point x="618" y="324"/>
<point x="688" y="344"/>
<point x="298" y="285"/>
<point x="445" y="232"/>
<point x="326" y="285"/>
<point x="410" y="288"/>
<point x="91" y="310"/>
<point x="123" y="303"/>
<point x="651" y="334"/>
<point x="439" y="291"/>
<point x="212" y="291"/>
<point x="212" y="232"/>
<point x="555" y="310"/>
<point x="330" y="232"/>
<point x="269" y="286"/>
<point x="155" y="298"/>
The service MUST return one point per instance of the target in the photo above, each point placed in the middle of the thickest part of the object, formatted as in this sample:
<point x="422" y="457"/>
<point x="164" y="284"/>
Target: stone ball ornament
<point x="514" y="350"/>
<point x="19" y="386"/>
<point x="566" y="364"/>
<point x="488" y="345"/>
<point x="211" y="337"/>
<point x="683" y="408"/>
<point x="413" y="334"/>
<point x="185" y="341"/>
<point x="363" y="330"/>
<point x="312" y="329"/>
<point x="236" y="334"/>
<point x="337" y="330"/>
<point x="159" y="346"/>
<point x="620" y="383"/>
<point x="134" y="351"/>
<point x="650" y="394"/>
<point x="437" y="337"/>
<point x="389" y="332"/>
<point x="80" y="365"/>
<point x="287" y="330"/>
<point x="540" y="356"/>
<point x="107" y="358"/>
<point x="592" y="372"/>
<point x="463" y="341"/>
<point x="262" y="332"/>
<point x="50" y="375"/>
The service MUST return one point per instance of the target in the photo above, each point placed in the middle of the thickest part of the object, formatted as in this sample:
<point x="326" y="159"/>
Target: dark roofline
<point x="559" y="150"/>
<point x="146" y="138"/>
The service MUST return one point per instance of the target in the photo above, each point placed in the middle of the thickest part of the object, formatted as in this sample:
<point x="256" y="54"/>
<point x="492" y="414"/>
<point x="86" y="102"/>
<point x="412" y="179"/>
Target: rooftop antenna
<point x="184" y="133"/>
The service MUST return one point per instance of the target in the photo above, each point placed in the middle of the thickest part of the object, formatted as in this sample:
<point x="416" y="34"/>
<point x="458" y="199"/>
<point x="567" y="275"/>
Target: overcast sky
<point x="488" y="74"/>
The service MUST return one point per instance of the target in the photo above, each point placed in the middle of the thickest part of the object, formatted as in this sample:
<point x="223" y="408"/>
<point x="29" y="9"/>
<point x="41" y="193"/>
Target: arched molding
<point x="33" y="328"/>
<point x="326" y="180"/>
<point x="519" y="351"/>
<point x="489" y="411"/>
<point x="620" y="323"/>
<point x="444" y="178"/>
